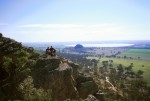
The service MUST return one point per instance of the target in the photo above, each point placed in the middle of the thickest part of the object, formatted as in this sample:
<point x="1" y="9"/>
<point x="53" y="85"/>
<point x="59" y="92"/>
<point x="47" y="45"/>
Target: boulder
<point x="100" y="96"/>
<point x="86" y="85"/>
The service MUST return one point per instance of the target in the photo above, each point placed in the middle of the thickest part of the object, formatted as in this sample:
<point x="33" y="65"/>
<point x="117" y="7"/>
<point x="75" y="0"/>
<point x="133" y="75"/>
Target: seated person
<point x="48" y="51"/>
<point x="52" y="51"/>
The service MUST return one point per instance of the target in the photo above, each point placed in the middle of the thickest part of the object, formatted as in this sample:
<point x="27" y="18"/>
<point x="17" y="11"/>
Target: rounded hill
<point x="79" y="46"/>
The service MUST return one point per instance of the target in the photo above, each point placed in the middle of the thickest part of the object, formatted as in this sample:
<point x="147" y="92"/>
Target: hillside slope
<point x="26" y="75"/>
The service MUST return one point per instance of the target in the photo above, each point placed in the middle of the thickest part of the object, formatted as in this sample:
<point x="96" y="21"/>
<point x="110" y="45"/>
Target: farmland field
<point x="135" y="53"/>
<point x="126" y="62"/>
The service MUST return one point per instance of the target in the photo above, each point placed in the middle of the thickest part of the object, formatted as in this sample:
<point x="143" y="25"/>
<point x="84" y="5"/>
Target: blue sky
<point x="75" y="20"/>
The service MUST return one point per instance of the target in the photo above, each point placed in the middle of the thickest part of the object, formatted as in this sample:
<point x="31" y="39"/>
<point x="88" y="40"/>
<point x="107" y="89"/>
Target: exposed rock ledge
<point x="63" y="79"/>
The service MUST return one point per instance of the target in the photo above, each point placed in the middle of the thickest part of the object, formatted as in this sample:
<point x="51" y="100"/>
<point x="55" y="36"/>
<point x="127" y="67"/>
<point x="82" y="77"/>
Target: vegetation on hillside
<point x="143" y="65"/>
<point x="16" y="64"/>
<point x="118" y="78"/>
<point x="125" y="79"/>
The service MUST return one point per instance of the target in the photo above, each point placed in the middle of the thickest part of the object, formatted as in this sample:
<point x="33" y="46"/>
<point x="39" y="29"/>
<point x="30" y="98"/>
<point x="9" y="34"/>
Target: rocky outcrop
<point x="63" y="79"/>
<point x="48" y="73"/>
<point x="53" y="74"/>
<point x="86" y="86"/>
<point x="75" y="69"/>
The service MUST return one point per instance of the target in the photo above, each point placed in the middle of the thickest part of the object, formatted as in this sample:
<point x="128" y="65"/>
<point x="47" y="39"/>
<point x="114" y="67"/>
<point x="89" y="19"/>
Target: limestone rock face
<point x="86" y="86"/>
<point x="57" y="76"/>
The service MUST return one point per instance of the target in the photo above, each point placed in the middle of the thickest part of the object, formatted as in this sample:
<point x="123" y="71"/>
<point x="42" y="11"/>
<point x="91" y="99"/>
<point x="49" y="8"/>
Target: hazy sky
<point x="75" y="20"/>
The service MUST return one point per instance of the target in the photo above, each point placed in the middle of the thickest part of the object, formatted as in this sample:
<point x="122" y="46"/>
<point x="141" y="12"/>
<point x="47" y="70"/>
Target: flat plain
<point x="135" y="53"/>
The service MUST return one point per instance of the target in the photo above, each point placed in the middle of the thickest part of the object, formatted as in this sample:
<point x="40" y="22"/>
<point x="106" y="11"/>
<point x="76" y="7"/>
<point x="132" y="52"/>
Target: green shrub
<point x="22" y="53"/>
<point x="7" y="63"/>
<point x="30" y="93"/>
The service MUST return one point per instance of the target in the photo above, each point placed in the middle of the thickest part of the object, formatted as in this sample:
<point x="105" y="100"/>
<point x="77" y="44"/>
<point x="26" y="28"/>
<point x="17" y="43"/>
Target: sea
<point x="103" y="45"/>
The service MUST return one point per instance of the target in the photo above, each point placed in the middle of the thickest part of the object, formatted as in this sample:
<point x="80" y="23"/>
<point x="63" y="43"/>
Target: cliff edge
<point x="27" y="75"/>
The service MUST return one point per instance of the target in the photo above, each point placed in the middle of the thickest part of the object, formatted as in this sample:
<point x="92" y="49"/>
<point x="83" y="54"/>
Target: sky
<point x="75" y="20"/>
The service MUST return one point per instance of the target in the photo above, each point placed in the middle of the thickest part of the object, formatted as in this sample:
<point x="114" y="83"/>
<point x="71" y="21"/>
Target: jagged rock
<point x="91" y="98"/>
<point x="100" y="96"/>
<point x="75" y="69"/>
<point x="63" y="78"/>
<point x="57" y="76"/>
<point x="84" y="78"/>
<point x="86" y="86"/>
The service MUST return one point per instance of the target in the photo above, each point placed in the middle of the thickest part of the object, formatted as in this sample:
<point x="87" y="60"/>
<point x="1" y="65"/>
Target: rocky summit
<point x="51" y="73"/>
<point x="63" y="79"/>
<point x="27" y="75"/>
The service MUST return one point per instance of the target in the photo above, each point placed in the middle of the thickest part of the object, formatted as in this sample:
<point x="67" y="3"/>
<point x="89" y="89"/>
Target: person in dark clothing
<point x="52" y="51"/>
<point x="48" y="51"/>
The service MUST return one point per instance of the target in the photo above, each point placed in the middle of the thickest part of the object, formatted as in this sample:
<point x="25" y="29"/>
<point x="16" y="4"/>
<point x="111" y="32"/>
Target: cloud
<point x="51" y="26"/>
<point x="74" y="32"/>
<point x="105" y="28"/>
<point x="65" y="26"/>
<point x="70" y="32"/>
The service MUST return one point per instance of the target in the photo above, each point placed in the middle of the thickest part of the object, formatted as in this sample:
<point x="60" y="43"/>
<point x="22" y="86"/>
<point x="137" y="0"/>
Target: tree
<point x="110" y="65"/>
<point x="125" y="57"/>
<point x="120" y="69"/>
<point x="94" y="61"/>
<point x="105" y="64"/>
<point x="129" y="68"/>
<point x="131" y="65"/>
<point x="140" y="73"/>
